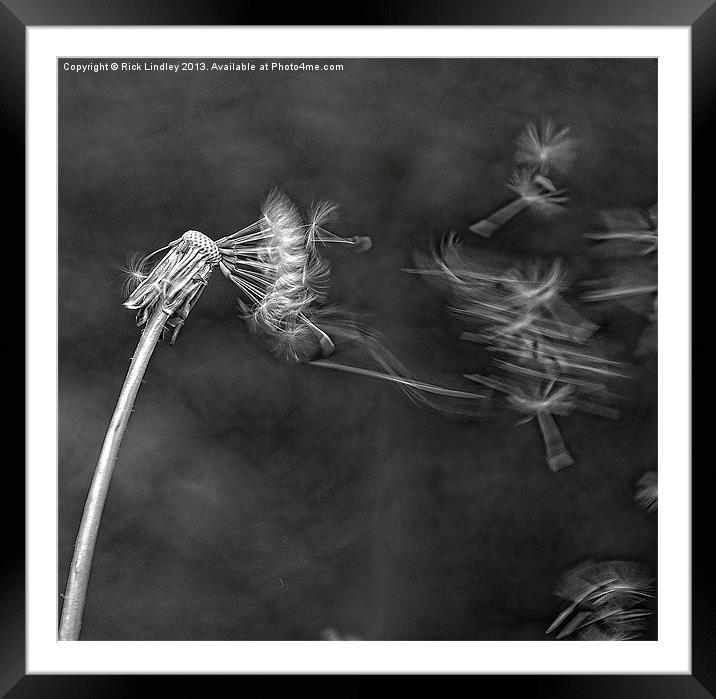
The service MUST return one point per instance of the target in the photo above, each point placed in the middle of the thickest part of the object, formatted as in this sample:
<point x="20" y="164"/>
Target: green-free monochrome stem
<point x="76" y="590"/>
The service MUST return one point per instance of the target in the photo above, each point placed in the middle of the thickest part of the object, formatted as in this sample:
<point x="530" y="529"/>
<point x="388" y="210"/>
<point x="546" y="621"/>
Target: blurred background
<point x="255" y="499"/>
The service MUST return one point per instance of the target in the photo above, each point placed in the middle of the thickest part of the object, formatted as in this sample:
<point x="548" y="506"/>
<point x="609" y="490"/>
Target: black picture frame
<point x="17" y="15"/>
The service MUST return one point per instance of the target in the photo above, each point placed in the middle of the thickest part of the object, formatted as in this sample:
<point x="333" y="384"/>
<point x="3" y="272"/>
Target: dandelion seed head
<point x="176" y="281"/>
<point x="205" y="244"/>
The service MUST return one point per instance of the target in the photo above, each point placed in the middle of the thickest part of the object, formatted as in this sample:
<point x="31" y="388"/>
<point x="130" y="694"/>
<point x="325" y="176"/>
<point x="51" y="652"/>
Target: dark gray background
<point x="260" y="500"/>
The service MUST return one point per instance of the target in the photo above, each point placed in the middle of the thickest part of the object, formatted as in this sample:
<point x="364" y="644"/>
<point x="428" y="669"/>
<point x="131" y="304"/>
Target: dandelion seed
<point x="509" y="301"/>
<point x="646" y="494"/>
<point x="545" y="378"/>
<point x="629" y="246"/>
<point x="276" y="265"/>
<point x="333" y="635"/>
<point x="540" y="341"/>
<point x="546" y="147"/>
<point x="393" y="370"/>
<point x="278" y="269"/>
<point x="604" y="601"/>
<point x="628" y="231"/>
<point x="610" y="633"/>
<point x="610" y="293"/>
<point x="541" y="401"/>
<point x="135" y="272"/>
<point x="537" y="190"/>
<point x="534" y="190"/>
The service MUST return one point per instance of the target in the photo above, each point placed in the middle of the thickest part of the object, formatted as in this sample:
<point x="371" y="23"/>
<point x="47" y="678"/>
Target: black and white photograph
<point x="350" y="332"/>
<point x="357" y="349"/>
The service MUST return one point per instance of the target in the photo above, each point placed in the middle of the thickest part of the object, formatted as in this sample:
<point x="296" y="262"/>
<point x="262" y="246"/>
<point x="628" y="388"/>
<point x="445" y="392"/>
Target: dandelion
<point x="534" y="189"/>
<point x="605" y="601"/>
<point x="646" y="494"/>
<point x="163" y="298"/>
<point x="275" y="264"/>
<point x="546" y="147"/>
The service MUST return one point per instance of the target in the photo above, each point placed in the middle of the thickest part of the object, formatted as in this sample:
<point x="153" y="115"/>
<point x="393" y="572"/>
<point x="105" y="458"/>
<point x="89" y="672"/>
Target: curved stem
<point x="76" y="590"/>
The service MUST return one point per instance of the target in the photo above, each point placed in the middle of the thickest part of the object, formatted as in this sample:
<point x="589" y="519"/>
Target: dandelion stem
<point x="76" y="590"/>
